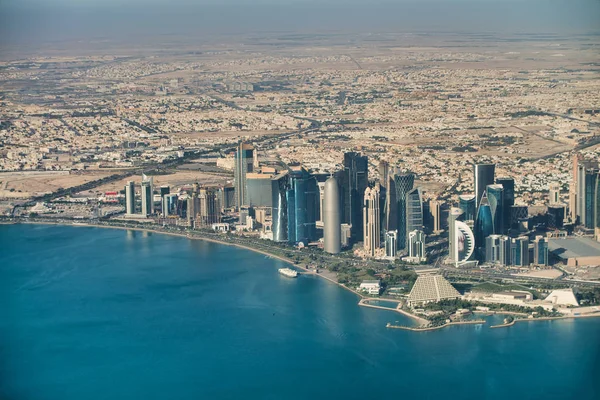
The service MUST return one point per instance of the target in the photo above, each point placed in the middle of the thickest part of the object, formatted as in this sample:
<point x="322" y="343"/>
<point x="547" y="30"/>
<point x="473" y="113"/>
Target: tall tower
<point x="484" y="224"/>
<point x="147" y="198"/>
<point x="244" y="163"/>
<point x="210" y="208"/>
<point x="495" y="195"/>
<point x="591" y="178"/>
<point x="466" y="202"/>
<point x="456" y="214"/>
<point x="435" y="208"/>
<point x="279" y="189"/>
<point x="356" y="171"/>
<point x="130" y="198"/>
<point x="508" y="199"/>
<point x="483" y="176"/>
<point x="332" y="223"/>
<point x="372" y="232"/>
<point x="414" y="211"/>
<point x="403" y="184"/>
<point x="302" y="206"/>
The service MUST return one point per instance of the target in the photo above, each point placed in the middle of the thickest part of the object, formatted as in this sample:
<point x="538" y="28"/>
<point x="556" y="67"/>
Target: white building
<point x="371" y="287"/>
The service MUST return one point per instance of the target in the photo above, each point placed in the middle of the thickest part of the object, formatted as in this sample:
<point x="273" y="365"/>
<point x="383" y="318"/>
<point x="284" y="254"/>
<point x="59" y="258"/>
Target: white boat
<point x="290" y="273"/>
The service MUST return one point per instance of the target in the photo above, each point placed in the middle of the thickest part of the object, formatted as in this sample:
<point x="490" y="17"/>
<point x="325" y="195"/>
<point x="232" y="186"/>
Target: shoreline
<point x="306" y="271"/>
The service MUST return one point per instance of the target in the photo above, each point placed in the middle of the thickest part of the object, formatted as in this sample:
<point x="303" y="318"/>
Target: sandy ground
<point x="27" y="184"/>
<point x="176" y="179"/>
<point x="546" y="273"/>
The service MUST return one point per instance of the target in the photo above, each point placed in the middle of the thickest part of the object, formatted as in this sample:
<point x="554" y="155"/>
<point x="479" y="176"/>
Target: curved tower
<point x="332" y="221"/>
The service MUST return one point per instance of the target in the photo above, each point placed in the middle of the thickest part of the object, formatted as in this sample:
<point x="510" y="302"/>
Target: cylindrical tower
<point x="332" y="217"/>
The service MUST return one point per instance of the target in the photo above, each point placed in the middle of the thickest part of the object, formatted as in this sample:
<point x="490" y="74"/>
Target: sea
<point x="92" y="313"/>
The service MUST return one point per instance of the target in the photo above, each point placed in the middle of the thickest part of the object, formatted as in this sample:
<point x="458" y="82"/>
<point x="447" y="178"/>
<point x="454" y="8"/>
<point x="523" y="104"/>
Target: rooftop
<point x="574" y="247"/>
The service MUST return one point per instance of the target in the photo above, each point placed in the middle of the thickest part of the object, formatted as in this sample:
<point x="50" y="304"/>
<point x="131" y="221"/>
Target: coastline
<point x="306" y="271"/>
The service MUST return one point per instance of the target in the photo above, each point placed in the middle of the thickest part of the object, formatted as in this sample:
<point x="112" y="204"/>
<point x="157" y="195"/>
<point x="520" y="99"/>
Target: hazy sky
<point x="47" y="20"/>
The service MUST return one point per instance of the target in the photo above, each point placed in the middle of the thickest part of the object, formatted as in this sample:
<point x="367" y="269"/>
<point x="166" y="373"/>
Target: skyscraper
<point x="332" y="225"/>
<point x="556" y="216"/>
<point x="483" y="176"/>
<point x="466" y="202"/>
<point x="391" y="247"/>
<point x="210" y="208"/>
<point x="371" y="229"/>
<point x="302" y="206"/>
<point x="258" y="190"/>
<point x="520" y="251"/>
<point x="384" y="170"/>
<point x="414" y="211"/>
<point x="169" y="204"/>
<point x="495" y="195"/>
<point x="354" y="184"/>
<point x="390" y="209"/>
<point x="540" y="250"/>
<point x="403" y="183"/>
<point x="435" y="208"/>
<point x="484" y="225"/>
<point x="492" y="249"/>
<point x="130" y="198"/>
<point x="147" y="198"/>
<point x="193" y="208"/>
<point x="244" y="163"/>
<point x="589" y="205"/>
<point x="508" y="200"/>
<point x="416" y="246"/>
<point x="280" y="186"/>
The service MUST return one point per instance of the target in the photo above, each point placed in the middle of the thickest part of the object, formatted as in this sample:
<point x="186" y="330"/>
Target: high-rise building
<point x="391" y="245"/>
<point x="258" y="190"/>
<point x="508" y="184"/>
<point x="280" y="185"/>
<point x="390" y="208"/>
<point x="193" y="208"/>
<point x="554" y="195"/>
<point x="463" y="243"/>
<point x="483" y="176"/>
<point x="210" y="208"/>
<point x="147" y="198"/>
<point x="455" y="214"/>
<point x="574" y="189"/>
<point x="466" y="202"/>
<point x="435" y="208"/>
<point x="573" y="203"/>
<point x="244" y="163"/>
<point x="505" y="246"/>
<point x="353" y="185"/>
<point x="302" y="206"/>
<point x="403" y="184"/>
<point x="346" y="235"/>
<point x="416" y="246"/>
<point x="540" y="250"/>
<point x="321" y="211"/>
<point x="495" y="195"/>
<point x="484" y="224"/>
<point x="520" y="251"/>
<point x="414" y="211"/>
<point x="169" y="204"/>
<point x="492" y="249"/>
<point x="384" y="171"/>
<point x="589" y="205"/>
<point x="332" y="218"/>
<point x="581" y="167"/>
<point x="130" y="198"/>
<point x="372" y="231"/>
<point x="597" y="208"/>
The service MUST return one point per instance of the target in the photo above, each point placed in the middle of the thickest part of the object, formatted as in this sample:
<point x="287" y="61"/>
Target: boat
<point x="290" y="273"/>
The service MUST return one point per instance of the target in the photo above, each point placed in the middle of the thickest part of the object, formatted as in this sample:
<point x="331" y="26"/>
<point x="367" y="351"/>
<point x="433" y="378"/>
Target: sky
<point x="47" y="20"/>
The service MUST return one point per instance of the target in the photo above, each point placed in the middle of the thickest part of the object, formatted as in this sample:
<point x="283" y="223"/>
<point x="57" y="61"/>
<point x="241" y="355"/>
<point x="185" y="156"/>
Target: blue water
<point x="89" y="313"/>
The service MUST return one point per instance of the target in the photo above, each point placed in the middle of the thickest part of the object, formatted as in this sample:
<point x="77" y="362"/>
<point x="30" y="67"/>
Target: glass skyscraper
<point x="495" y="195"/>
<point x="483" y="175"/>
<point x="591" y="177"/>
<point x="280" y="186"/>
<point x="403" y="184"/>
<point x="484" y="225"/>
<point x="466" y="203"/>
<point x="414" y="211"/>
<point x="508" y="200"/>
<point x="302" y="206"/>
<point x="244" y="163"/>
<point x="353" y="181"/>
